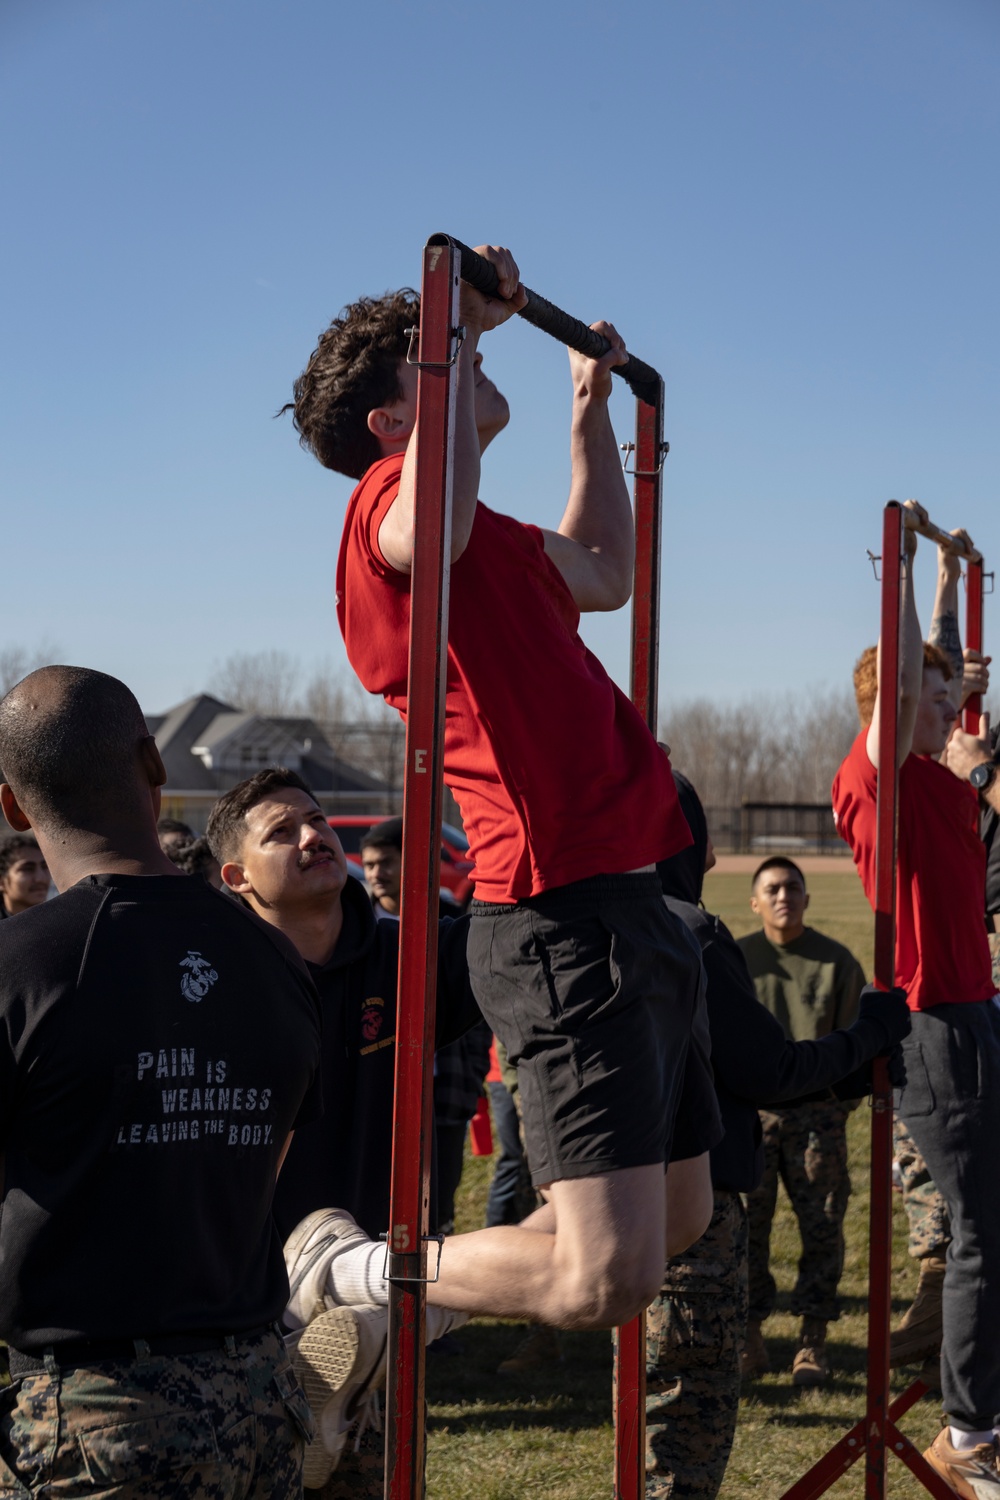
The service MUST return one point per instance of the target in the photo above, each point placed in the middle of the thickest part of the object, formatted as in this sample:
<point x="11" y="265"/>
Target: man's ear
<point x="754" y="907"/>
<point x="152" y="762"/>
<point x="806" y="901"/>
<point x="391" y="425"/>
<point x="16" y="819"/>
<point x="235" y="877"/>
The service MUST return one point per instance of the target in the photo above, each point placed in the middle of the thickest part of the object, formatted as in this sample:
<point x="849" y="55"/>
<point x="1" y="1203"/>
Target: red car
<point x="350" y="828"/>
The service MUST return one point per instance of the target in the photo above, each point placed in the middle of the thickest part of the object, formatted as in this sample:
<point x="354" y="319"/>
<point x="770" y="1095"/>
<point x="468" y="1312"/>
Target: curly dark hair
<point x="353" y="369"/>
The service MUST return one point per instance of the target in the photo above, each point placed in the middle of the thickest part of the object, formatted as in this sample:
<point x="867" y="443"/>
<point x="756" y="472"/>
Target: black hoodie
<point x="343" y="1160"/>
<point x="755" y="1064"/>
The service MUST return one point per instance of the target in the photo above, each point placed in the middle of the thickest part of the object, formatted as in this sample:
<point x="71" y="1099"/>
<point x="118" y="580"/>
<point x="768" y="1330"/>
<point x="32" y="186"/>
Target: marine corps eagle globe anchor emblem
<point x="196" y="984"/>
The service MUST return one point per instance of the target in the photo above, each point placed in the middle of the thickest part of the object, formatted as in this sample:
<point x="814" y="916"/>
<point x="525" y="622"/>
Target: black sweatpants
<point x="951" y="1106"/>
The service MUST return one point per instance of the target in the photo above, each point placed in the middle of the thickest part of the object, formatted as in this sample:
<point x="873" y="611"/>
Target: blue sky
<point x="790" y="208"/>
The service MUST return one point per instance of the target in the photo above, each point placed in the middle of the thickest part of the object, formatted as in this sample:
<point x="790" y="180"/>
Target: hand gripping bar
<point x="952" y="544"/>
<point x="642" y="379"/>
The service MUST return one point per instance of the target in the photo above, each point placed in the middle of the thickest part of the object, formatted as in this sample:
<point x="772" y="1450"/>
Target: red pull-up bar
<point x="445" y="261"/>
<point x="878" y="1434"/>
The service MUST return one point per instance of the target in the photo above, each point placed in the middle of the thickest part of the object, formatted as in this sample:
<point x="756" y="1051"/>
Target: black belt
<point x="76" y="1352"/>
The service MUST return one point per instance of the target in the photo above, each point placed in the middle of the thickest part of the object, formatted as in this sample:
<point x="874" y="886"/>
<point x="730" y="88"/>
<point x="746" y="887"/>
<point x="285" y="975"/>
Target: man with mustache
<point x="282" y="858"/>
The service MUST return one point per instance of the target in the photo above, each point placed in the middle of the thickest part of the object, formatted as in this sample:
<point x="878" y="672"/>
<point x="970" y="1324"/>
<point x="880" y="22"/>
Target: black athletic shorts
<point x="593" y="989"/>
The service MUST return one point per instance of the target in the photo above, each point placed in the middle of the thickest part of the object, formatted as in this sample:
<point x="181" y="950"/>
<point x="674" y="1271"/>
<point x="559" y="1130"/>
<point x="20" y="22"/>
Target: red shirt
<point x="942" y="953"/>
<point x="555" y="772"/>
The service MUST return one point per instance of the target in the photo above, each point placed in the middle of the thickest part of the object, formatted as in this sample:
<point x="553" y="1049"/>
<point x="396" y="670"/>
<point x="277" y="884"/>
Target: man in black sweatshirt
<point x="696" y="1326"/>
<point x="279" y="854"/>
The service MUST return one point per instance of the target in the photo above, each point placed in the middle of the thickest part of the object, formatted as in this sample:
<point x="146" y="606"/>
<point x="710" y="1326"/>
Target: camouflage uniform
<point x="694" y="1335"/>
<point x="926" y="1210"/>
<point x="528" y="1198"/>
<point x="994" y="941"/>
<point x="806" y="1145"/>
<point x="205" y="1426"/>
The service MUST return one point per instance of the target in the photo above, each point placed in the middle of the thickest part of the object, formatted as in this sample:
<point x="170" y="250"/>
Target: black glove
<point x="889" y="1010"/>
<point x="897" y="1068"/>
<point x="858" y="1085"/>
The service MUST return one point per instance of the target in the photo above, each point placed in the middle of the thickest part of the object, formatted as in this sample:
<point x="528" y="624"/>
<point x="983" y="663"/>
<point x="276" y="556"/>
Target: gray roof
<point x="221" y="731"/>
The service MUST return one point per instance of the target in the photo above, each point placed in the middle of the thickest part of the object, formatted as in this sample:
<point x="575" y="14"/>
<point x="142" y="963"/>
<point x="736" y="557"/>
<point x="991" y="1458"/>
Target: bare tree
<point x="773" y="749"/>
<point x="17" y="661"/>
<point x="360" y="727"/>
<point x="263" y="682"/>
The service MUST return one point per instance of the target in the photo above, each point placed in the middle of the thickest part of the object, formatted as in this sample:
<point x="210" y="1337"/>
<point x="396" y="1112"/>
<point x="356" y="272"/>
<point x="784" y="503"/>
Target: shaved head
<point x="70" y="748"/>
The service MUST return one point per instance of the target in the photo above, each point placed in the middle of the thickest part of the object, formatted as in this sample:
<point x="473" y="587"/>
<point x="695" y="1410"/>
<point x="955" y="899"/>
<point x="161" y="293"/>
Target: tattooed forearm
<point x="945" y="635"/>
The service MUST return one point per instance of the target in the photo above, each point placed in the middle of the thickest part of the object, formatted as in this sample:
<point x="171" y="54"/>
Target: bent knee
<point x="606" y="1297"/>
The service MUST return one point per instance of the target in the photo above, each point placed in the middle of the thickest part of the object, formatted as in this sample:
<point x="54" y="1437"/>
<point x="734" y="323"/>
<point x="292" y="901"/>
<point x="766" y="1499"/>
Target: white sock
<point x="354" y="1278"/>
<point x="441" y="1320"/>
<point x="354" y="1275"/>
<point x="960" y="1439"/>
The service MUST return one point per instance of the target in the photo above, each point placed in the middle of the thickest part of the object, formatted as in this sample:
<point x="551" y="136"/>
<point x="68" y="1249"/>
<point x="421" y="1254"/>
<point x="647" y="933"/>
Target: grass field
<point x="503" y="1438"/>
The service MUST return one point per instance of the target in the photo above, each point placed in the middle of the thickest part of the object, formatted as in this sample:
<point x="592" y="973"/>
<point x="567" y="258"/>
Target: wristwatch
<point x="981" y="776"/>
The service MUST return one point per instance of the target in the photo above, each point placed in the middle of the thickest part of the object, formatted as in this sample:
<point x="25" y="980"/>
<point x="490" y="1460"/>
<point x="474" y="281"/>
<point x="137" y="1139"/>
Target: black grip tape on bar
<point x="641" y="378"/>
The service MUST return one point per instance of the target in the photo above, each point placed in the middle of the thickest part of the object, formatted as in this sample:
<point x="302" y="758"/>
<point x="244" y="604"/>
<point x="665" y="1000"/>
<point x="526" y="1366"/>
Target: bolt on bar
<point x="879" y="1434"/>
<point x="444" y="260"/>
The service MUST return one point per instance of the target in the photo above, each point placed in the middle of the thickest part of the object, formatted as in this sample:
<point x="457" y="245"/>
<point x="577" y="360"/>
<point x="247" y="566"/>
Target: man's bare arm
<point x="911" y="648"/>
<point x="945" y="632"/>
<point x="478" y="315"/>
<point x="594" y="546"/>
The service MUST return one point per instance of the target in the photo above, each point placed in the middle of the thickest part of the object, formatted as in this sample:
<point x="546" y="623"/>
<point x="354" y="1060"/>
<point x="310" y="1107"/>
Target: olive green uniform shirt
<point x="810" y="985"/>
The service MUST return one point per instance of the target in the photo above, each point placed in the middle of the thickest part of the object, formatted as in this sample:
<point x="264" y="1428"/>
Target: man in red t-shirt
<point x="567" y="801"/>
<point x="951" y="1099"/>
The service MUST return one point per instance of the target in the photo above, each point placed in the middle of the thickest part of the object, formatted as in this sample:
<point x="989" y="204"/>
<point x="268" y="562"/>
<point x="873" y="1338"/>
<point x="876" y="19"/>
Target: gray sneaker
<point x="340" y="1362"/>
<point x="309" y="1250"/>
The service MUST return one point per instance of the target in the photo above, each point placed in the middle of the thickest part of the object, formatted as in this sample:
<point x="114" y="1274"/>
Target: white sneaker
<point x="340" y="1362"/>
<point x="309" y="1249"/>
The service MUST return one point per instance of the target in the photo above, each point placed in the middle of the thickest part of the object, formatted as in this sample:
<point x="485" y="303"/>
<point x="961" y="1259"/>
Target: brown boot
<point x="918" y="1336"/>
<point x="930" y="1374"/>
<point x="811" y="1365"/>
<point x="754" y="1358"/>
<point x="540" y="1347"/>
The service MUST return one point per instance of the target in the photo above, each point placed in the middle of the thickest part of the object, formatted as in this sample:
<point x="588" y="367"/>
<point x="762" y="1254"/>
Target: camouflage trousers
<point x="213" y="1426"/>
<point x="806" y="1147"/>
<point x="926" y="1210"/>
<point x="694" y="1335"/>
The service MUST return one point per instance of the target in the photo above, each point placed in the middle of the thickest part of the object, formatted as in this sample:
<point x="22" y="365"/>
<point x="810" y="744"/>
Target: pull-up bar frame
<point x="878" y="1434"/>
<point x="446" y="261"/>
